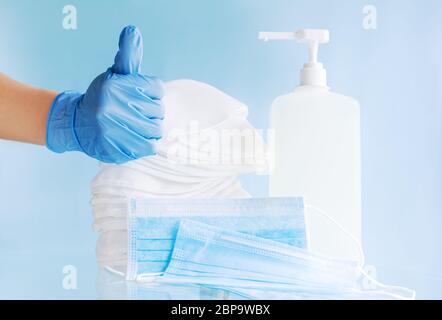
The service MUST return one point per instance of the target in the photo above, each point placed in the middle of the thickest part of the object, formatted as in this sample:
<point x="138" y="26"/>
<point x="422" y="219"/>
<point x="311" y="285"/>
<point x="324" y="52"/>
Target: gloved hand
<point x="119" y="118"/>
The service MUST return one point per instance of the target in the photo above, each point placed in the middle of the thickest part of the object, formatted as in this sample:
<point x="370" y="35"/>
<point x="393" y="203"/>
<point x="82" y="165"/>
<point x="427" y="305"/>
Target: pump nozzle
<point x="313" y="73"/>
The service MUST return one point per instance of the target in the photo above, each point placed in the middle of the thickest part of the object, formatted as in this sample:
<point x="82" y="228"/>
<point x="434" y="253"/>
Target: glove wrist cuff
<point x="60" y="130"/>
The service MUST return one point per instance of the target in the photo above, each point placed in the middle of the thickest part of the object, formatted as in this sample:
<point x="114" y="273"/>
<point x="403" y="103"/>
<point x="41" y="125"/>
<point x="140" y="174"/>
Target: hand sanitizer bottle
<point x="317" y="153"/>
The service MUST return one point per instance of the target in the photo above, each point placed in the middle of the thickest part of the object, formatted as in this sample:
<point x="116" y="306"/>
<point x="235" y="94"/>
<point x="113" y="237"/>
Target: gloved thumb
<point x="130" y="53"/>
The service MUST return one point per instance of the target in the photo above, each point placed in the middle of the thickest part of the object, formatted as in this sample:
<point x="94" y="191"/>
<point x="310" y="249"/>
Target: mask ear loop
<point x="409" y="292"/>
<point x="114" y="271"/>
<point x="148" y="278"/>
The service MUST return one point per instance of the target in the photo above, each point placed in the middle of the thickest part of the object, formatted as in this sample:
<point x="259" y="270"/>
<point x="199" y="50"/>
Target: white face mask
<point x="205" y="126"/>
<point x="127" y="182"/>
<point x="189" y="100"/>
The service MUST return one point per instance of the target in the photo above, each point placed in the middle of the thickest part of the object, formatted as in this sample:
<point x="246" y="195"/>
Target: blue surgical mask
<point x="262" y="269"/>
<point x="200" y="253"/>
<point x="153" y="226"/>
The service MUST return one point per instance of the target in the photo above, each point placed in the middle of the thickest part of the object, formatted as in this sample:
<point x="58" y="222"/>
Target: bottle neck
<point x="314" y="74"/>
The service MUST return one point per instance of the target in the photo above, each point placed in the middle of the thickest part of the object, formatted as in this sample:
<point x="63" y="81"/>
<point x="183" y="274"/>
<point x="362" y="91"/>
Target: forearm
<point x="23" y="111"/>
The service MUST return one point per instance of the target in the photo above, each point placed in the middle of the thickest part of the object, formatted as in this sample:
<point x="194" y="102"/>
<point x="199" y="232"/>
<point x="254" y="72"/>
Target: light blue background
<point x="394" y="71"/>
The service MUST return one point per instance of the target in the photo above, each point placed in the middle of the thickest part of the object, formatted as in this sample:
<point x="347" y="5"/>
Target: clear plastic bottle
<point x="317" y="154"/>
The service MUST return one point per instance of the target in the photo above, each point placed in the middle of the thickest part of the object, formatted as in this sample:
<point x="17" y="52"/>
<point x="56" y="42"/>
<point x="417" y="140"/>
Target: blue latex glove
<point x="119" y="118"/>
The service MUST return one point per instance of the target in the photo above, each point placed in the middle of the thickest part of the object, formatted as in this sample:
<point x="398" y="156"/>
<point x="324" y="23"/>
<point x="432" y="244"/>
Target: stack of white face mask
<point x="207" y="144"/>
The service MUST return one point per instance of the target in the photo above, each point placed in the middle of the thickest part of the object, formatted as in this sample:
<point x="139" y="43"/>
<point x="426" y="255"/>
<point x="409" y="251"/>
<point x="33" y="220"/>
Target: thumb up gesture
<point x="120" y="116"/>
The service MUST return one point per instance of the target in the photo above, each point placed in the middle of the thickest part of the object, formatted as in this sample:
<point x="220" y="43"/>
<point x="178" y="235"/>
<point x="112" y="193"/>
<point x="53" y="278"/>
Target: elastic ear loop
<point x="361" y="264"/>
<point x="142" y="278"/>
<point x="115" y="271"/>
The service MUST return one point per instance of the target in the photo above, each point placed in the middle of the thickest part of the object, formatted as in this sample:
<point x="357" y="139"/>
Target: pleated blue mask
<point x="261" y="269"/>
<point x="153" y="225"/>
<point x="200" y="253"/>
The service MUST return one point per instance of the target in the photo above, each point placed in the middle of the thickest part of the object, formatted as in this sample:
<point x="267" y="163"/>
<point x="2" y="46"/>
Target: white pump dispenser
<point x="317" y="151"/>
<point x="313" y="73"/>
